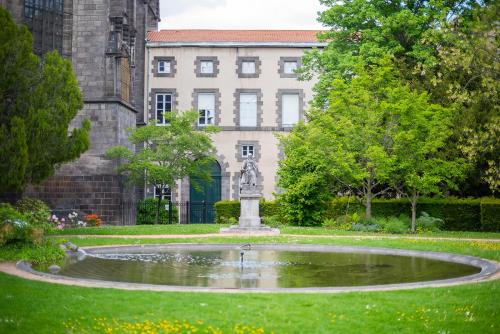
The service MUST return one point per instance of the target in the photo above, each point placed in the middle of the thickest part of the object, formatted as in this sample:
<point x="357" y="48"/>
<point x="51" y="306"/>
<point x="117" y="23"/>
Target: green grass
<point x="28" y="305"/>
<point x="473" y="308"/>
<point x="143" y="229"/>
<point x="214" y="228"/>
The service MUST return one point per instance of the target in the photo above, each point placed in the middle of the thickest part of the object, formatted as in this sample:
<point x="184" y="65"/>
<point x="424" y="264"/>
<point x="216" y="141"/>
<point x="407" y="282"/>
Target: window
<point x="163" y="105"/>
<point x="248" y="67"/>
<point x="206" y="108"/>
<point x="248" y="110"/>
<point x="164" y="66"/>
<point x="164" y="193"/>
<point x="207" y="67"/>
<point x="289" y="67"/>
<point x="290" y="105"/>
<point x="247" y="150"/>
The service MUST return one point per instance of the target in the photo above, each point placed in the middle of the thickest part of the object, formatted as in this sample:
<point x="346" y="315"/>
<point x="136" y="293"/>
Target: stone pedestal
<point x="249" y="211"/>
<point x="250" y="222"/>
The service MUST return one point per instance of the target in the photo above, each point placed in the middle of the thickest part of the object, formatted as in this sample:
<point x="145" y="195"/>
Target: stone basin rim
<point x="490" y="270"/>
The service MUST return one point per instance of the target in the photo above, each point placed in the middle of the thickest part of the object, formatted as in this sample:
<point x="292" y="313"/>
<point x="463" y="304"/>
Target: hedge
<point x="231" y="209"/>
<point x="458" y="214"/>
<point x="146" y="212"/>
<point x="490" y="215"/>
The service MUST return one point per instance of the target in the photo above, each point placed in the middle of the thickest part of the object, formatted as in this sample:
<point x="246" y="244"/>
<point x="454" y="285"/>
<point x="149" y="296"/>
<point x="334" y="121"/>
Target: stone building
<point x="105" y="41"/>
<point x="244" y="82"/>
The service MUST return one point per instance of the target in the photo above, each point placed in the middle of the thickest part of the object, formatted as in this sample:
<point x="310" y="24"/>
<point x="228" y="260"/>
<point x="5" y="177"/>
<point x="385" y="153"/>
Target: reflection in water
<point x="261" y="268"/>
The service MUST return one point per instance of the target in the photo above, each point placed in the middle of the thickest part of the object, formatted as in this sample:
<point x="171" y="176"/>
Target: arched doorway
<point x="202" y="200"/>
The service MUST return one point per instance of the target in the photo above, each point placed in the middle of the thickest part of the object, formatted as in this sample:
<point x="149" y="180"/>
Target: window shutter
<point x="248" y="110"/>
<point x="290" y="105"/>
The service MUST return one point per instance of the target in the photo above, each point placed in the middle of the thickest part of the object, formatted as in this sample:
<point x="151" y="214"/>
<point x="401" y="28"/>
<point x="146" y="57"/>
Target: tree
<point x="170" y="153"/>
<point x="421" y="131"/>
<point x="38" y="101"/>
<point x="468" y="76"/>
<point x="349" y="145"/>
<point x="367" y="30"/>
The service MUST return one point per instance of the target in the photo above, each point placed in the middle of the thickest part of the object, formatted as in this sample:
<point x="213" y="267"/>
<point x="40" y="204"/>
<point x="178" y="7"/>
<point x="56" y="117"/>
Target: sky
<point x="239" y="14"/>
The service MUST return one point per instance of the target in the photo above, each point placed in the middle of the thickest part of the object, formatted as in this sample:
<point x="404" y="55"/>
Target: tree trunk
<point x="368" y="205"/>
<point x="158" y="204"/>
<point x="413" y="201"/>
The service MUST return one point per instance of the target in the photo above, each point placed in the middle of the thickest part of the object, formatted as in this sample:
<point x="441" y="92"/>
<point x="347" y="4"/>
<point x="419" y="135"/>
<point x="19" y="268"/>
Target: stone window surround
<point x="279" y="104"/>
<point x="173" y="67"/>
<point x="152" y="100"/>
<point x="281" y="66"/>
<point x="239" y="67"/>
<point x="225" y="180"/>
<point x="217" y="105"/>
<point x="197" y="66"/>
<point x="256" y="150"/>
<point x="236" y="103"/>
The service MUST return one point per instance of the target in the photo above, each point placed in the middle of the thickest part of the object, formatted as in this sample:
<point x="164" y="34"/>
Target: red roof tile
<point x="243" y="36"/>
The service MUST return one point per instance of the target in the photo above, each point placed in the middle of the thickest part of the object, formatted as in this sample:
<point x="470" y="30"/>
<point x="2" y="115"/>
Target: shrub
<point x="14" y="227"/>
<point x="93" y="220"/>
<point x="394" y="225"/>
<point x="360" y="227"/>
<point x="338" y="224"/>
<point x="272" y="221"/>
<point x="35" y="210"/>
<point x="227" y="220"/>
<point x="226" y="210"/>
<point x="146" y="212"/>
<point x="427" y="223"/>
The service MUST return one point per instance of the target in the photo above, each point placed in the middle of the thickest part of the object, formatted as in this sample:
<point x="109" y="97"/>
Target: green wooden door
<point x="201" y="201"/>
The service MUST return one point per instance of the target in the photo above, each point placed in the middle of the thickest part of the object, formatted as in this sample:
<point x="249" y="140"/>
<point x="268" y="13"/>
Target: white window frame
<point x="204" y="69"/>
<point x="285" y="113"/>
<point x="290" y="70"/>
<point x="245" y="68"/>
<point x="167" y="66"/>
<point x="208" y="113"/>
<point x="163" y="108"/>
<point x="248" y="121"/>
<point x="247" y="149"/>
<point x="165" y="193"/>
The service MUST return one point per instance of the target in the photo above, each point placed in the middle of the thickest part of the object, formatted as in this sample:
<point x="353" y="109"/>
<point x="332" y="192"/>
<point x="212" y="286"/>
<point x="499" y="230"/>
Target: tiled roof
<point x="235" y="36"/>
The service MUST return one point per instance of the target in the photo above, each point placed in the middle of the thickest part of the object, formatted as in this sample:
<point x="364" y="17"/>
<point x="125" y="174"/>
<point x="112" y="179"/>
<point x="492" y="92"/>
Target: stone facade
<point x="228" y="50"/>
<point x="105" y="40"/>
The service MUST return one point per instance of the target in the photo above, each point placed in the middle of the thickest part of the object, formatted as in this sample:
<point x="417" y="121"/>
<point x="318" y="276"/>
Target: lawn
<point x="48" y="308"/>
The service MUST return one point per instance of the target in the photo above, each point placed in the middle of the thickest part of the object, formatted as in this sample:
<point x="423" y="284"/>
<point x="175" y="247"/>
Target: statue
<point x="249" y="172"/>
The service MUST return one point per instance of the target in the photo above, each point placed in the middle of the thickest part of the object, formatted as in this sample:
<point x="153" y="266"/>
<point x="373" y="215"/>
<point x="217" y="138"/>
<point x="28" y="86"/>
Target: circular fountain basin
<point x="281" y="267"/>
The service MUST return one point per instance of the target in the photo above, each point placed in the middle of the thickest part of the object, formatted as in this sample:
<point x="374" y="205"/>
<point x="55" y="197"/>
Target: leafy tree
<point x="38" y="100"/>
<point x="348" y="146"/>
<point x="303" y="175"/>
<point x="421" y="131"/>
<point x="367" y="30"/>
<point x="468" y="76"/>
<point x="170" y="153"/>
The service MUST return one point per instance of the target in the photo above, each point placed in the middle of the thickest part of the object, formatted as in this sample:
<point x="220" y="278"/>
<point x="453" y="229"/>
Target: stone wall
<point x="91" y="184"/>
